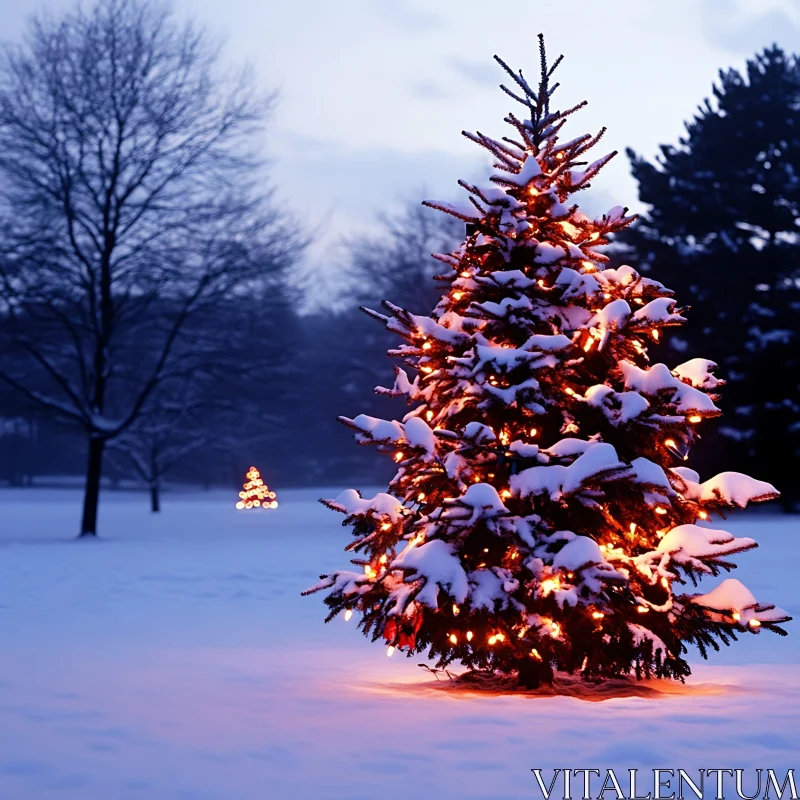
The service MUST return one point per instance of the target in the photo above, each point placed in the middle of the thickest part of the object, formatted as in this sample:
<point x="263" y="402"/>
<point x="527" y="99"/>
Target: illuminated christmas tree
<point x="255" y="493"/>
<point x="542" y="516"/>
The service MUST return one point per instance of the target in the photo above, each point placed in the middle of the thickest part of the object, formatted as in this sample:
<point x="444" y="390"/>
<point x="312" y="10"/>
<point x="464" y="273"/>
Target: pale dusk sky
<point x="374" y="93"/>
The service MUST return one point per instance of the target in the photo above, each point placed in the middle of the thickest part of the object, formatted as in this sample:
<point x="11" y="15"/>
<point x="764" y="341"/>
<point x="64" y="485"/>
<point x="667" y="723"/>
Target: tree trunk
<point x="155" y="497"/>
<point x="91" y="495"/>
<point x="532" y="674"/>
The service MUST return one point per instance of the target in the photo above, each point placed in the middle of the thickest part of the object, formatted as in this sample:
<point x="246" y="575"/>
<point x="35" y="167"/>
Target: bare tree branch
<point x="131" y="206"/>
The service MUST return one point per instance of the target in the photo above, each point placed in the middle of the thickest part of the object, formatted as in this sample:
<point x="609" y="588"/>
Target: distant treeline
<point x="149" y="323"/>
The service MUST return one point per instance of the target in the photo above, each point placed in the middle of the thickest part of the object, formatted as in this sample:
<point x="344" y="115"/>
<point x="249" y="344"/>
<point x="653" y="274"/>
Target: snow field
<point x="175" y="659"/>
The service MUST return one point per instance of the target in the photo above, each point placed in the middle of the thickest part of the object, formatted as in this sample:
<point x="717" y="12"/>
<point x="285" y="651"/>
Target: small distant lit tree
<point x="255" y="493"/>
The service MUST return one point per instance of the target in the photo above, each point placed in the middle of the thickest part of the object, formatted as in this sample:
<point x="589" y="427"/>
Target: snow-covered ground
<point x="176" y="659"/>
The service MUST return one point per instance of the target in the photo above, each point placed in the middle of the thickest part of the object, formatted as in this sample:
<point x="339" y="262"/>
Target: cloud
<point x="404" y="14"/>
<point x="428" y="90"/>
<point x="727" y="26"/>
<point x="344" y="188"/>
<point x="484" y="73"/>
<point x="339" y="191"/>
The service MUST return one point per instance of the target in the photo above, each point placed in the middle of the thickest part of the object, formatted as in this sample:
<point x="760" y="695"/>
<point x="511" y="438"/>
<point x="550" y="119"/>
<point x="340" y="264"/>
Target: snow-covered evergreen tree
<point x="542" y="516"/>
<point x="723" y="209"/>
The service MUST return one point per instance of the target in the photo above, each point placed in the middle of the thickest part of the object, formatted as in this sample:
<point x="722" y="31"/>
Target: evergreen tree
<point x="541" y="516"/>
<point x="255" y="493"/>
<point x="723" y="224"/>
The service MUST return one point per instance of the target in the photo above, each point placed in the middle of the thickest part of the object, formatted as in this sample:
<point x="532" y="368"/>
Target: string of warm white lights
<point x="255" y="493"/>
<point x="542" y="516"/>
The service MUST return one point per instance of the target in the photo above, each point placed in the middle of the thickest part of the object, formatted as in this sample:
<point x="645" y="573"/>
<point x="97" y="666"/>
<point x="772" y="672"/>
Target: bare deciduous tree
<point x="218" y="407"/>
<point x="130" y="205"/>
<point x="181" y="423"/>
<point x="396" y="264"/>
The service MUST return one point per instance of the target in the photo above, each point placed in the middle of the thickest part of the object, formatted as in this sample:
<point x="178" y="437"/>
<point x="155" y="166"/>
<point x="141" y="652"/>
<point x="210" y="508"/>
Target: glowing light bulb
<point x="642" y="609"/>
<point x="469" y="636"/>
<point x="348" y="614"/>
<point x="429" y="415"/>
<point x="390" y="651"/>
<point x="505" y="494"/>
<point x="594" y="237"/>
<point x="465" y="275"/>
<point x="555" y="629"/>
<point x="702" y="515"/>
<point x="457" y="295"/>
<point x="587" y="265"/>
<point x="501" y="637"/>
<point x="669" y="443"/>
<point x="427" y="346"/>
<point x="736" y="615"/>
<point x="588" y="346"/>
<point x="540" y="282"/>
<point x="386" y="526"/>
<point x="533" y="190"/>
<point x="695" y="418"/>
<point x="398" y="456"/>
<point x="665" y="583"/>
<point x="550" y="585"/>
<point x="420" y="497"/>
<point x="453" y="638"/>
<point x="456" y="610"/>
<point x="654" y="334"/>
<point x="597" y="615"/>
<point x="606" y="295"/>
<point x="535" y="654"/>
<point x="427" y="370"/>
<point x="571" y="230"/>
<point x="754" y="623"/>
<point x="633" y="527"/>
<point x="569" y="391"/>
<point x="660" y="510"/>
<point x="532" y="432"/>
<point x="492" y="640"/>
<point x="383" y="559"/>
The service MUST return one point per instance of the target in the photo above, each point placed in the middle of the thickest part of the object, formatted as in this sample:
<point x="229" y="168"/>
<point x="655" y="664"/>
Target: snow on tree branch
<point x="545" y="519"/>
